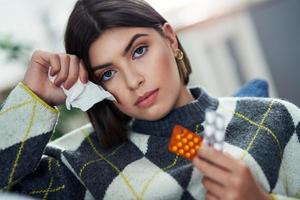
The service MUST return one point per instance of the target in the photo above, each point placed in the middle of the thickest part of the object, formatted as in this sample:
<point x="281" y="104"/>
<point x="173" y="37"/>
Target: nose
<point x="133" y="78"/>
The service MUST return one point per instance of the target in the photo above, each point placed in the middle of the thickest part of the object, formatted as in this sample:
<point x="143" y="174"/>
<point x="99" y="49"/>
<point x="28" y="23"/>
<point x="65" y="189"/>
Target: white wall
<point x="214" y="66"/>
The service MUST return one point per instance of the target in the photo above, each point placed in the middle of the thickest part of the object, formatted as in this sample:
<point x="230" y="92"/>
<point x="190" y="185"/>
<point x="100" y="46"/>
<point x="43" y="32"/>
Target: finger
<point x="84" y="77"/>
<point x="46" y="59"/>
<point x="212" y="171"/>
<point x="54" y="62"/>
<point x="210" y="196"/>
<point x="218" y="158"/>
<point x="214" y="189"/>
<point x="73" y="72"/>
<point x="64" y="70"/>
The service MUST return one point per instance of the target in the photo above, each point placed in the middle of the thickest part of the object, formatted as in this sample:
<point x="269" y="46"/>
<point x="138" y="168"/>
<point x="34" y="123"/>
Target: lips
<point x="147" y="99"/>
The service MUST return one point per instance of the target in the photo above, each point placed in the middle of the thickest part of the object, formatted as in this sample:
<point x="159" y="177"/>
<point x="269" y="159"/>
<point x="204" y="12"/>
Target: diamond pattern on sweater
<point x="111" y="164"/>
<point x="177" y="167"/>
<point x="265" y="145"/>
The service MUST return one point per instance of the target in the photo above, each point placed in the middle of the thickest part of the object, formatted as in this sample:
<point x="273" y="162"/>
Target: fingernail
<point x="85" y="80"/>
<point x="66" y="86"/>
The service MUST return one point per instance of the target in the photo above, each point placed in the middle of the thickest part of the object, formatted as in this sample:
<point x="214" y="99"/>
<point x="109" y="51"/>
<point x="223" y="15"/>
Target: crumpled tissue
<point x="84" y="96"/>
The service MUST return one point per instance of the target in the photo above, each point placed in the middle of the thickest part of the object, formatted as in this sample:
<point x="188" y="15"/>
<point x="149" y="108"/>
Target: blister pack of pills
<point x="214" y="130"/>
<point x="186" y="143"/>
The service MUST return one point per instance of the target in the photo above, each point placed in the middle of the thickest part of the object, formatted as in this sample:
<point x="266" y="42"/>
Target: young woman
<point x="129" y="49"/>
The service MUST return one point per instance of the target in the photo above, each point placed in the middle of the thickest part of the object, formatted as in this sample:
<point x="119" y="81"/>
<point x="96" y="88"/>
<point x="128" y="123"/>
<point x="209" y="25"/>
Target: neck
<point x="190" y="115"/>
<point x="185" y="97"/>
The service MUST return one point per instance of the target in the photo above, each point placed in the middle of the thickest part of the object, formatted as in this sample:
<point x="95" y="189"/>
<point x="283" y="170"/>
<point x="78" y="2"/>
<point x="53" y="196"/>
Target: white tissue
<point x="84" y="96"/>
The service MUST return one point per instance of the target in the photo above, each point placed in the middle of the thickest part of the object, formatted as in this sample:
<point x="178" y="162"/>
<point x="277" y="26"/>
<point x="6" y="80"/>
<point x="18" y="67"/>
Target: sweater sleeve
<point x="289" y="171"/>
<point x="26" y="125"/>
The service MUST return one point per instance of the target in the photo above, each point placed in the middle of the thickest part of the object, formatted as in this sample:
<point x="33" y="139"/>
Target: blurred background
<point x="229" y="42"/>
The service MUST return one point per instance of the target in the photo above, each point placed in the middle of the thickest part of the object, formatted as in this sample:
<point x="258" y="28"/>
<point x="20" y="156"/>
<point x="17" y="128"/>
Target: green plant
<point x="14" y="50"/>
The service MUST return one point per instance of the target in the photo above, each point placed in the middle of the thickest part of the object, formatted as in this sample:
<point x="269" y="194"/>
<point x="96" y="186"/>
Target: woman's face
<point x="137" y="66"/>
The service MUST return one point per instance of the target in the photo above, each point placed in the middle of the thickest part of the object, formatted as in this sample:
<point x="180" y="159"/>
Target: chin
<point x="155" y="113"/>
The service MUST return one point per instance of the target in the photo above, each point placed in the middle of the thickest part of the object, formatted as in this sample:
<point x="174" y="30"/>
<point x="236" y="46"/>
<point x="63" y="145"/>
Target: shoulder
<point x="259" y="108"/>
<point x="258" y="102"/>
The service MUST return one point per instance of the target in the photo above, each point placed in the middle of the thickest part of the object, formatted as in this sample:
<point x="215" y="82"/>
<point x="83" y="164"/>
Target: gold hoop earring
<point x="181" y="65"/>
<point x="179" y="55"/>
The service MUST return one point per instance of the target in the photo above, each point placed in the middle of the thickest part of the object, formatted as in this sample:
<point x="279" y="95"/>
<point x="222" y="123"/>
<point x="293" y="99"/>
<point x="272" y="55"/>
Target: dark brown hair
<point x="88" y="20"/>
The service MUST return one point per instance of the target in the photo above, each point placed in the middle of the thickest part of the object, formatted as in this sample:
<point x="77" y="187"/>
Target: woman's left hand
<point x="227" y="178"/>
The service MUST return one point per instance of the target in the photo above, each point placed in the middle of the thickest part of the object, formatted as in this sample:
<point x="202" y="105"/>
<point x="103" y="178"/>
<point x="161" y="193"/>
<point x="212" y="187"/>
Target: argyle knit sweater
<point x="263" y="132"/>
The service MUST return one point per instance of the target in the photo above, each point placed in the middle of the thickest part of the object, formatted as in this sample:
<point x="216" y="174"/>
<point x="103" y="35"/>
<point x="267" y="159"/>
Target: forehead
<point x="123" y="33"/>
<point x="115" y="39"/>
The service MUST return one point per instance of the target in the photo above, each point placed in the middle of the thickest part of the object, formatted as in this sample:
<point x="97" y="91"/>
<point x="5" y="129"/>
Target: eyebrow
<point x="134" y="38"/>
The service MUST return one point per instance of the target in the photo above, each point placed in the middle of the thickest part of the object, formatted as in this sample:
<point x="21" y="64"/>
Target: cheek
<point x="167" y="71"/>
<point x="162" y="66"/>
<point x="117" y="88"/>
<point x="123" y="97"/>
<point x="118" y="93"/>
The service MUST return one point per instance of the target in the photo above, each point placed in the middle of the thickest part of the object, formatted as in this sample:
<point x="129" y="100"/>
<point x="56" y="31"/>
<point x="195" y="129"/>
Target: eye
<point x="107" y="75"/>
<point x="140" y="52"/>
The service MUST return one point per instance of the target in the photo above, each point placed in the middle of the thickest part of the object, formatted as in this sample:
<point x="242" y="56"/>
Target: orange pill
<point x="188" y="155"/>
<point x="191" y="144"/>
<point x="193" y="151"/>
<point x="179" y="144"/>
<point x="181" y="151"/>
<point x="196" y="140"/>
<point x="174" y="148"/>
<point x="186" y="147"/>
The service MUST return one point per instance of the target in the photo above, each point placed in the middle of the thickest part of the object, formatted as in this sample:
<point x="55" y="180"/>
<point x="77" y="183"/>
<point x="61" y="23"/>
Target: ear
<point x="170" y="36"/>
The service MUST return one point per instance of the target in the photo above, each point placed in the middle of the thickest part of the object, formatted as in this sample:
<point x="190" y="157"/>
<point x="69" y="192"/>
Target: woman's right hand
<point x="67" y="68"/>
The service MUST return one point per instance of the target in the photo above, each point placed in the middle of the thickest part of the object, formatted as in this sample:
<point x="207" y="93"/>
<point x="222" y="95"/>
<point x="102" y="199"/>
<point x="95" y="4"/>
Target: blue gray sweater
<point x="263" y="132"/>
